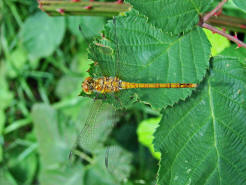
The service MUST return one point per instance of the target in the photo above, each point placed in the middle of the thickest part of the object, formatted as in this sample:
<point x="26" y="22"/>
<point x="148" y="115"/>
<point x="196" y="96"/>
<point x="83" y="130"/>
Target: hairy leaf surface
<point x="173" y="16"/>
<point x="203" y="140"/>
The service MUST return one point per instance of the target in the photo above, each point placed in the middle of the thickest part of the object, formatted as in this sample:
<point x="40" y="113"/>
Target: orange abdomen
<point x="128" y="85"/>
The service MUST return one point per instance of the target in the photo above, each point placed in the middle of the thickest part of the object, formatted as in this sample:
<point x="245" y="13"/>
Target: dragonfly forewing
<point x="97" y="127"/>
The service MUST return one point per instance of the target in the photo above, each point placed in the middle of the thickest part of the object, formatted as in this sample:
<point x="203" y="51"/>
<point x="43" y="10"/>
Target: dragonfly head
<point x="88" y="85"/>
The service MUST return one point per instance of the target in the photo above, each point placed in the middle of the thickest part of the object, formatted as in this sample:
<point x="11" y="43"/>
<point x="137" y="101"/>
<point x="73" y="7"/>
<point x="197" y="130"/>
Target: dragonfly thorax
<point x="101" y="85"/>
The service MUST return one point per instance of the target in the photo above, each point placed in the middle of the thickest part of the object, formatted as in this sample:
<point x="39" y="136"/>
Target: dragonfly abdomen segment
<point x="114" y="84"/>
<point x="129" y="85"/>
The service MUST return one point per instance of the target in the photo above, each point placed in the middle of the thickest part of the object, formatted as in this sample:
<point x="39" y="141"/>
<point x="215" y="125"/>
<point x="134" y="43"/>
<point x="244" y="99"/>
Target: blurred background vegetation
<point x="43" y="61"/>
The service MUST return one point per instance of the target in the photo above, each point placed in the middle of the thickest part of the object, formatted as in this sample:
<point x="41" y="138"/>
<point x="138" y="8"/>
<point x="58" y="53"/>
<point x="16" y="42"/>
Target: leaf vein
<point x="214" y="126"/>
<point x="184" y="146"/>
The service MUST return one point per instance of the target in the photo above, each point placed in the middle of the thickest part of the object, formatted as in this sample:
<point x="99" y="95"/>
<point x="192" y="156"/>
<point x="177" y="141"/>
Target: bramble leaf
<point x="53" y="149"/>
<point x="203" y="140"/>
<point x="218" y="42"/>
<point x="41" y="34"/>
<point x="240" y="4"/>
<point x="136" y="51"/>
<point x="91" y="25"/>
<point x="174" y="16"/>
<point x="233" y="51"/>
<point x="145" y="132"/>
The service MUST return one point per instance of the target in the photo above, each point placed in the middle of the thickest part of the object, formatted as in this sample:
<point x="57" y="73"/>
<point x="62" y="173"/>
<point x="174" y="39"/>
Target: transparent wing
<point x="87" y="135"/>
<point x="119" y="162"/>
<point x="96" y="128"/>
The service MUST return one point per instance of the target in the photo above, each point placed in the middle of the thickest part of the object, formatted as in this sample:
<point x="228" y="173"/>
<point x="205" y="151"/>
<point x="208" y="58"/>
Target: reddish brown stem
<point x="215" y="30"/>
<point x="79" y="7"/>
<point x="205" y="19"/>
<point x="213" y="12"/>
<point x="233" y="23"/>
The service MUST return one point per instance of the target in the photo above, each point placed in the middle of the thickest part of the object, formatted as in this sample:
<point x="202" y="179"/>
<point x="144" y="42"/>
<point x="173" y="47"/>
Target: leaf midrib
<point x="214" y="126"/>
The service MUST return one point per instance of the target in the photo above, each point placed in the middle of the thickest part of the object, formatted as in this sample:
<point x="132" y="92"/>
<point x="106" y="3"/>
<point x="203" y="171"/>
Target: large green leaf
<point x="50" y="142"/>
<point x="41" y="34"/>
<point x="53" y="149"/>
<point x="145" y="132"/>
<point x="6" y="178"/>
<point x="218" y="42"/>
<point x="55" y="142"/>
<point x="18" y="62"/>
<point x="6" y="97"/>
<point x="62" y="175"/>
<point x="68" y="84"/>
<point x="240" y="4"/>
<point x="174" y="16"/>
<point x="136" y="51"/>
<point x="233" y="51"/>
<point x="118" y="171"/>
<point x="203" y="140"/>
<point x="90" y="25"/>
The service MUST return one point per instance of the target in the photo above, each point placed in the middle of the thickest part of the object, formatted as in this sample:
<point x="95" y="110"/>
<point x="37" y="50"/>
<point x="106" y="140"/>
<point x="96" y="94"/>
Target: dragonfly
<point x="111" y="85"/>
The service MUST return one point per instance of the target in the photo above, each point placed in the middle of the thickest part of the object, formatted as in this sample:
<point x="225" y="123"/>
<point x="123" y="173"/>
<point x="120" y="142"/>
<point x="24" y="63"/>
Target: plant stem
<point x="207" y="18"/>
<point x="54" y="7"/>
<point x="216" y="9"/>
<point x="83" y="156"/>
<point x="64" y="7"/>
<point x="215" y="30"/>
<point x="232" y="23"/>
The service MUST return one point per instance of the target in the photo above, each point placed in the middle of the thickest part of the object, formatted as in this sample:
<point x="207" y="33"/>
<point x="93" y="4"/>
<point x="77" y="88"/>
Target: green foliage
<point x="218" y="42"/>
<point x="50" y="142"/>
<point x="18" y="60"/>
<point x="25" y="167"/>
<point x="41" y="34"/>
<point x="92" y="25"/>
<point x="6" y="178"/>
<point x="176" y="16"/>
<point x="145" y="133"/>
<point x="240" y="4"/>
<point x="43" y="61"/>
<point x="5" y="98"/>
<point x="233" y="51"/>
<point x="53" y="148"/>
<point x="149" y="55"/>
<point x="202" y="140"/>
<point x="232" y="10"/>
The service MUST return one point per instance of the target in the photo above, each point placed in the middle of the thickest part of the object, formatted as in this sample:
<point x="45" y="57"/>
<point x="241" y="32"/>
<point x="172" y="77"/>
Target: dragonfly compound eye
<point x="87" y="85"/>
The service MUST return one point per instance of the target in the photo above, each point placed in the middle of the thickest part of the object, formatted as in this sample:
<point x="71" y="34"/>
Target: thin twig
<point x="216" y="9"/>
<point x="232" y="23"/>
<point x="215" y="30"/>
<point x="203" y="24"/>
<point x="83" y="156"/>
<point x="89" y="8"/>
